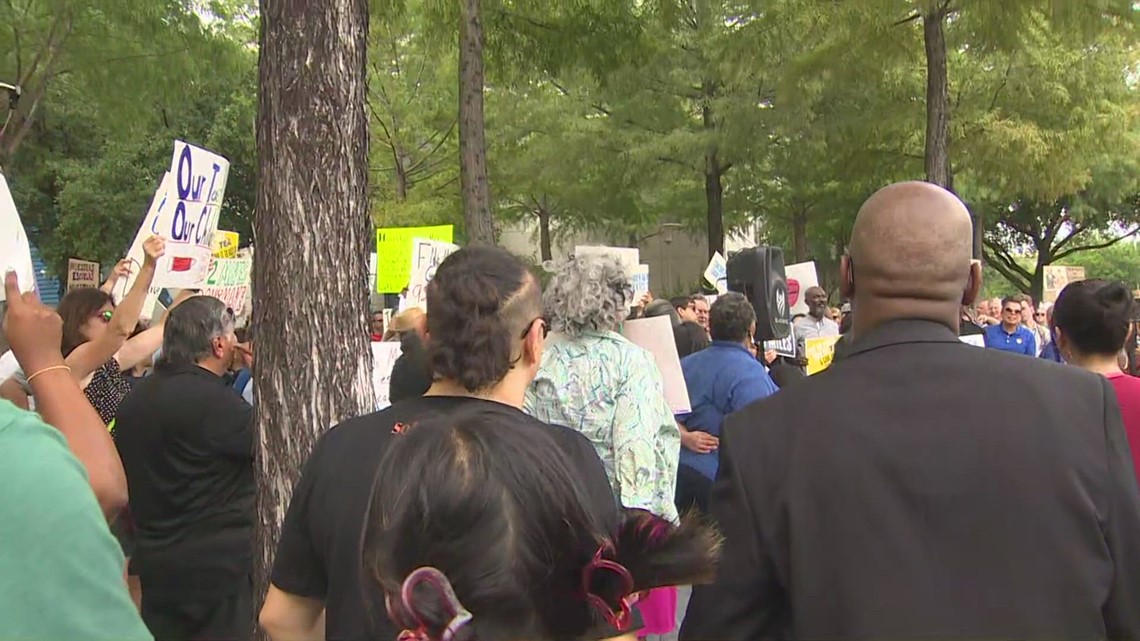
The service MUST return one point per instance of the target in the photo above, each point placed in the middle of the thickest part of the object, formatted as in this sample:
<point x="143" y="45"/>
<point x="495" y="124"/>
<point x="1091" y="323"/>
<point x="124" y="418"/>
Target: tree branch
<point x="1003" y="269"/>
<point x="1107" y="243"/>
<point x="911" y="18"/>
<point x="1007" y="259"/>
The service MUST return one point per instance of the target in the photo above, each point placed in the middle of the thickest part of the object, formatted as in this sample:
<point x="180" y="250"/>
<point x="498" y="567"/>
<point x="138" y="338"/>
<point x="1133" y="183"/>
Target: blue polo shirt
<point x="721" y="380"/>
<point x="1021" y="341"/>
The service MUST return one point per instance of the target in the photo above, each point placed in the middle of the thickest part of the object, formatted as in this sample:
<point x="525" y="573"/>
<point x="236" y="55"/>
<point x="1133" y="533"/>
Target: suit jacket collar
<point x="899" y="332"/>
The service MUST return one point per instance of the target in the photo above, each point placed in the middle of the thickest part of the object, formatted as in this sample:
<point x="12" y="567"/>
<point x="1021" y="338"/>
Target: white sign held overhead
<point x="426" y="257"/>
<point x="717" y="273"/>
<point x="384" y="356"/>
<point x="15" y="252"/>
<point x="196" y="188"/>
<point x="800" y="277"/>
<point x="640" y="281"/>
<point x="157" y="219"/>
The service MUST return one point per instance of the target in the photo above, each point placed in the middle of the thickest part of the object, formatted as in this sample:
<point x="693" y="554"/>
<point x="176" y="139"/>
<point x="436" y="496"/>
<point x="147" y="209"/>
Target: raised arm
<point x="35" y="332"/>
<point x="89" y="356"/>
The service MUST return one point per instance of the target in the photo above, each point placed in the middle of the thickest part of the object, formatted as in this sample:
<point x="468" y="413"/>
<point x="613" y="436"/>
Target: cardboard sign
<point x="717" y="273"/>
<point x="224" y="244"/>
<point x="820" y="353"/>
<point x="1057" y="277"/>
<point x="640" y="281"/>
<point x="384" y="356"/>
<point x="228" y="280"/>
<point x="82" y="273"/>
<point x="426" y="257"/>
<point x="15" y="252"/>
<point x="800" y="277"/>
<point x="194" y="192"/>
<point x="785" y="346"/>
<point x="656" y="335"/>
<point x="394" y="253"/>
<point x="630" y="257"/>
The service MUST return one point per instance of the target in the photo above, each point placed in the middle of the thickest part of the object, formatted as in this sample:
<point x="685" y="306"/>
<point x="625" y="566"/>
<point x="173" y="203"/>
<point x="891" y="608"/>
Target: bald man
<point x="880" y="500"/>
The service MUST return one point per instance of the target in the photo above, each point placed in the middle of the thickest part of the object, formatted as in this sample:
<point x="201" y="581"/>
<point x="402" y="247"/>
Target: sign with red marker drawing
<point x="800" y="277"/>
<point x="195" y="191"/>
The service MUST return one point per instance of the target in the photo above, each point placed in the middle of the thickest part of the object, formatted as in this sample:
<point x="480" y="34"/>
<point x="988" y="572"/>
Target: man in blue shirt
<point x="1010" y="335"/>
<point x="722" y="379"/>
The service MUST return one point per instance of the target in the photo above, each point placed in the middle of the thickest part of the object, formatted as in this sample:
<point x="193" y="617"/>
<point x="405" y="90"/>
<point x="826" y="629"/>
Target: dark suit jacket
<point x="927" y="488"/>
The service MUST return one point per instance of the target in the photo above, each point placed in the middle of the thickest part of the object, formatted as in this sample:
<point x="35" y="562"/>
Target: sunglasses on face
<point x="1011" y="310"/>
<point x="105" y="316"/>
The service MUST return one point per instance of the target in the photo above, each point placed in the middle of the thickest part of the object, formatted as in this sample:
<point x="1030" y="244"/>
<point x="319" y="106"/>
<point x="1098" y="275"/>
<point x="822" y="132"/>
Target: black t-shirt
<point x="319" y="554"/>
<point x="186" y="442"/>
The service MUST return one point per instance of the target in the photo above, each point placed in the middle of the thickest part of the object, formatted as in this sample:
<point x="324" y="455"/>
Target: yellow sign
<point x="394" y="253"/>
<point x="820" y="352"/>
<point x="224" y="244"/>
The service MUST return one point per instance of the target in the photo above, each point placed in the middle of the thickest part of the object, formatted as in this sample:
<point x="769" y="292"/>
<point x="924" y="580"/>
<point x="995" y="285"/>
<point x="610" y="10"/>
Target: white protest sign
<point x="717" y="273"/>
<point x="158" y="217"/>
<point x="384" y="357"/>
<point x="228" y="281"/>
<point x="977" y="340"/>
<point x="426" y="257"/>
<point x="640" y="281"/>
<point x="196" y="188"/>
<point x="656" y="335"/>
<point x="15" y="252"/>
<point x="630" y="257"/>
<point x="800" y="277"/>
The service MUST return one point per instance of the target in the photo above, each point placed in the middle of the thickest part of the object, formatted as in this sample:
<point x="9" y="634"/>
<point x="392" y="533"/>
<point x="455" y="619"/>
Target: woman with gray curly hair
<point x="596" y="381"/>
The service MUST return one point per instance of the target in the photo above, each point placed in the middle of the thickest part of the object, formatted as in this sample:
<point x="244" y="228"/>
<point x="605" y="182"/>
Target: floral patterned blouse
<point x="611" y="391"/>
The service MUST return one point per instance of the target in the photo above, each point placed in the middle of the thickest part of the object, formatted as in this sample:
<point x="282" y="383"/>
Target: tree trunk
<point x="1037" y="283"/>
<point x="472" y="146"/>
<point x="937" y="103"/>
<point x="313" y="232"/>
<point x="544" y="244"/>
<point x="714" y="189"/>
<point x="799" y="235"/>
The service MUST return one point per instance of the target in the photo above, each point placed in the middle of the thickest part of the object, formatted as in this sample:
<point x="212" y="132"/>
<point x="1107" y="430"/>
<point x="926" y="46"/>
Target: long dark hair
<point x="521" y="552"/>
<point x="76" y="308"/>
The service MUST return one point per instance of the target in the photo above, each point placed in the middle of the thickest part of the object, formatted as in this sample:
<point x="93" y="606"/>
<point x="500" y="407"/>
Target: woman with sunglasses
<point x="95" y="339"/>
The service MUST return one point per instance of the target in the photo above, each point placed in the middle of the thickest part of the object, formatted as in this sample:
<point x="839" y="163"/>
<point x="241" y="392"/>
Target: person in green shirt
<point x="61" y="571"/>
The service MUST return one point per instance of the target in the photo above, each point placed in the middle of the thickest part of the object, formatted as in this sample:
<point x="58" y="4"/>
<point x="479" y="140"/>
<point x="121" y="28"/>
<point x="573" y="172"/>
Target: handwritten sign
<point x="228" y="280"/>
<point x="717" y="273"/>
<point x="426" y="257"/>
<point x="158" y="217"/>
<point x="394" y="253"/>
<point x="1057" y="277"/>
<point x="656" y="335"/>
<point x="82" y="273"/>
<point x="820" y="353"/>
<point x="640" y="281"/>
<point x="195" y="190"/>
<point x="15" y="252"/>
<point x="800" y="277"/>
<point x="630" y="257"/>
<point x="384" y="356"/>
<point x="224" y="244"/>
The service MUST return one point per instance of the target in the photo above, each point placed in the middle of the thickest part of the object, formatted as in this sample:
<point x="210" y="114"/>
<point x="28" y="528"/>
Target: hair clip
<point x="415" y="629"/>
<point x="619" y="618"/>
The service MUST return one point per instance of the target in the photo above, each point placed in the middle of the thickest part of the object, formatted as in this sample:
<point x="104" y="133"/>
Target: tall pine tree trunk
<point x="472" y="146"/>
<point x="545" y="245"/>
<point x="714" y="186"/>
<point x="799" y="235"/>
<point x="312" y="230"/>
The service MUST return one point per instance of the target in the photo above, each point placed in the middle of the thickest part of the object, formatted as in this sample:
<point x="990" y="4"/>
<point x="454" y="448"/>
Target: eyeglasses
<point x="1040" y="314"/>
<point x="545" y="327"/>
<point x="106" y="316"/>
<point x="1012" y="310"/>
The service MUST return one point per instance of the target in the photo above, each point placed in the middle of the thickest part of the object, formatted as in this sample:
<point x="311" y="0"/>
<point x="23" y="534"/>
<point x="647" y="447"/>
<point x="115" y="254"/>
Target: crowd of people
<point x="531" y="481"/>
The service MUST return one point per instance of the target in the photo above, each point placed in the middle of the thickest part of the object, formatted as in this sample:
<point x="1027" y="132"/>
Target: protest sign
<point x="228" y="280"/>
<point x="394" y="253"/>
<point x="977" y="340"/>
<point x="800" y="278"/>
<point x="717" y="273"/>
<point x="224" y="244"/>
<point x="82" y="273"/>
<point x="1057" y="277"/>
<point x="640" y="281"/>
<point x="785" y="346"/>
<point x="158" y="217"/>
<point x="426" y="257"/>
<point x="384" y="356"/>
<point x="15" y="252"/>
<point x="656" y="335"/>
<point x="630" y="257"/>
<point x="195" y="191"/>
<point x="820" y="352"/>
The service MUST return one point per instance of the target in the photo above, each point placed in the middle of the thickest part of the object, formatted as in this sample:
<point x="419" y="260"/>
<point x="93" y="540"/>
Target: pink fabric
<point x="658" y="611"/>
<point x="1128" y="398"/>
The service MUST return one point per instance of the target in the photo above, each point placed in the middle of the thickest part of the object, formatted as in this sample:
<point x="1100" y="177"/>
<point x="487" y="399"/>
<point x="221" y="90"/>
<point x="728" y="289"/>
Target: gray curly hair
<point x="590" y="292"/>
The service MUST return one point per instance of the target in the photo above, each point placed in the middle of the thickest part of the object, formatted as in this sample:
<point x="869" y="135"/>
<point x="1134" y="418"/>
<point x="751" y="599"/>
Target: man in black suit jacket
<point x="922" y="487"/>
